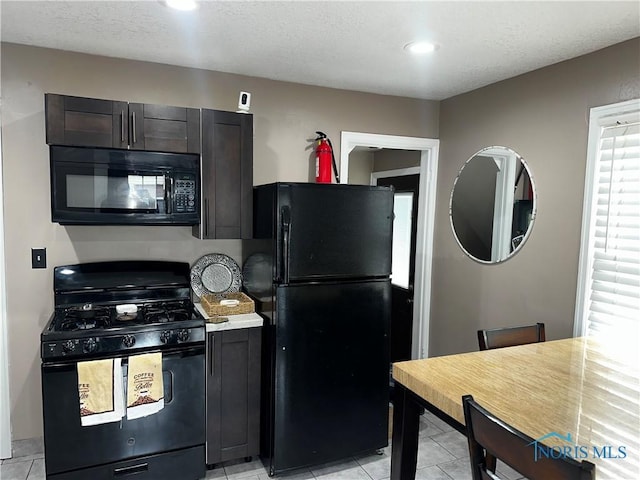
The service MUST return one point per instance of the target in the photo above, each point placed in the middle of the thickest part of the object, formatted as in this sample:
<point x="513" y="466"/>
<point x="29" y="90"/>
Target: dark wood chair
<point x="488" y="435"/>
<point x="510" y="336"/>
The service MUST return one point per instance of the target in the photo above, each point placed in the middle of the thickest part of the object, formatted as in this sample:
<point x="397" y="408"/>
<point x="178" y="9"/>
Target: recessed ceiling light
<point x="183" y="5"/>
<point x="420" y="48"/>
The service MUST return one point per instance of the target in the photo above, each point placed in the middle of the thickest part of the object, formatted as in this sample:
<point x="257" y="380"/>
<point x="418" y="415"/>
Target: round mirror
<point x="493" y="204"/>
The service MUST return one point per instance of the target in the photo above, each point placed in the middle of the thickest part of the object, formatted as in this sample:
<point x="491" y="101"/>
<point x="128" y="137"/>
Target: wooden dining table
<point x="579" y="397"/>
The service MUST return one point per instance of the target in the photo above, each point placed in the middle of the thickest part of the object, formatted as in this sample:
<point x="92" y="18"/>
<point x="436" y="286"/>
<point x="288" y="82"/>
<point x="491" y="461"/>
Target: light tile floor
<point x="442" y="455"/>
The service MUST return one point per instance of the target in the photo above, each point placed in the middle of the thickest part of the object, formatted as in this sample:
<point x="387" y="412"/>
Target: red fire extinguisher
<point x="325" y="160"/>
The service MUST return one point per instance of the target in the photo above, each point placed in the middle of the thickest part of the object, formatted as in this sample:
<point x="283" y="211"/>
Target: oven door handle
<point x="71" y="363"/>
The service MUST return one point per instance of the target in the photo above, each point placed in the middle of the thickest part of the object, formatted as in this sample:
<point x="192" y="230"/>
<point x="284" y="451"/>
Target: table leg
<point x="404" y="442"/>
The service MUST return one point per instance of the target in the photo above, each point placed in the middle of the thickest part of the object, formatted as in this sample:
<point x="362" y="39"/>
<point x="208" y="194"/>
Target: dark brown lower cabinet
<point x="233" y="394"/>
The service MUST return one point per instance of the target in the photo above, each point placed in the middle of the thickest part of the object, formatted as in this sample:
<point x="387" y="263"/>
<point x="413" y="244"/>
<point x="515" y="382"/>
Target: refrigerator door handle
<point x="285" y="215"/>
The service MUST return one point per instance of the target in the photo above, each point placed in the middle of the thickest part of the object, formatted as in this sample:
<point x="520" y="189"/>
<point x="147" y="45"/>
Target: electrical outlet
<point x="38" y="258"/>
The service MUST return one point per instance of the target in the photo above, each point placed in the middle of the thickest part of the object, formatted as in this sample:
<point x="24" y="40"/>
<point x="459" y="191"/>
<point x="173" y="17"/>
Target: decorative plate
<point x="215" y="273"/>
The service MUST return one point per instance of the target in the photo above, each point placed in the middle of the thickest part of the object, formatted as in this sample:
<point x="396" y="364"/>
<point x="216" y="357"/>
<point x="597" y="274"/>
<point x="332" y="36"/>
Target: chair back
<point x="510" y="336"/>
<point x="490" y="436"/>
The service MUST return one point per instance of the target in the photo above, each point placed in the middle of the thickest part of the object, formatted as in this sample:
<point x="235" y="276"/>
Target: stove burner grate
<point x="166" y="312"/>
<point x="72" y="324"/>
<point x="101" y="317"/>
<point x="72" y="319"/>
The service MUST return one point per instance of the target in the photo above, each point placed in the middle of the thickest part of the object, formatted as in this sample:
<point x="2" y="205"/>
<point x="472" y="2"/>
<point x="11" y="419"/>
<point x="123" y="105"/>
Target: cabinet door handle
<point x="206" y="218"/>
<point x="133" y="129"/>
<point x="122" y="132"/>
<point x="211" y="361"/>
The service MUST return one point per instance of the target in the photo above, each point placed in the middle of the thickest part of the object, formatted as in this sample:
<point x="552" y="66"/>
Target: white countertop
<point x="244" y="320"/>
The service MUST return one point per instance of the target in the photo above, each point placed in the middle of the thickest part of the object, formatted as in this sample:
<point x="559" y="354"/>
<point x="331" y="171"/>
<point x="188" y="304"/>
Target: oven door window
<point x="111" y="190"/>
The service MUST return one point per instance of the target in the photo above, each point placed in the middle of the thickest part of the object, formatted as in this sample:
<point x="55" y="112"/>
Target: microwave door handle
<point x="168" y="185"/>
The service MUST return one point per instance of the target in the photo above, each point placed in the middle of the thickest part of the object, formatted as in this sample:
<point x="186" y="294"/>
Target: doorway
<point x="404" y="260"/>
<point x="428" y="170"/>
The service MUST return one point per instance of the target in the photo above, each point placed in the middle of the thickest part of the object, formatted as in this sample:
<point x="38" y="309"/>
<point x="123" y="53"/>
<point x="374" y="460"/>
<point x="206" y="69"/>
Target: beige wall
<point x="388" y="159"/>
<point x="362" y="163"/>
<point x="286" y="116"/>
<point x="543" y="116"/>
<point x="360" y="167"/>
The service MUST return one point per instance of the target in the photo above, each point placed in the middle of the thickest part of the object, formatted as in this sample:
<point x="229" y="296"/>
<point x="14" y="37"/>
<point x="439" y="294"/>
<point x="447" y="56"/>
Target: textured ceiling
<point x="349" y="45"/>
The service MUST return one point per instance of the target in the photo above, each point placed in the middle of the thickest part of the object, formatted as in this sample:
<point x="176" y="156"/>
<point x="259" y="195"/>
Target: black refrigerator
<point x="326" y="295"/>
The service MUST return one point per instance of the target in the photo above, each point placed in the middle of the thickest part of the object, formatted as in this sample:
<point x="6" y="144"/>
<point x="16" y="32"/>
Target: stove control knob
<point x="68" y="346"/>
<point x="90" y="345"/>
<point x="128" y="341"/>
<point x="165" y="336"/>
<point x="183" y="335"/>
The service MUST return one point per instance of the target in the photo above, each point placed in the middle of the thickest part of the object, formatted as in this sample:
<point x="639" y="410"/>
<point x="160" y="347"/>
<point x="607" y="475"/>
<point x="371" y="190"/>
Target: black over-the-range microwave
<point x="98" y="186"/>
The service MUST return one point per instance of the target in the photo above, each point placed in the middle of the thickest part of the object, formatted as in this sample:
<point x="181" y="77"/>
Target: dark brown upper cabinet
<point x="227" y="176"/>
<point x="91" y="122"/>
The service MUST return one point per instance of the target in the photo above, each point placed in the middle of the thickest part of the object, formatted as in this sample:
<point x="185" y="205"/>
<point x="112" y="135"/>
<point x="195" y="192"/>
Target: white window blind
<point x="608" y="298"/>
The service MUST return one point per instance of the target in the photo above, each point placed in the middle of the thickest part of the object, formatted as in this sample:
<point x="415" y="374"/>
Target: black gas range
<point x="111" y="307"/>
<point x="121" y="309"/>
